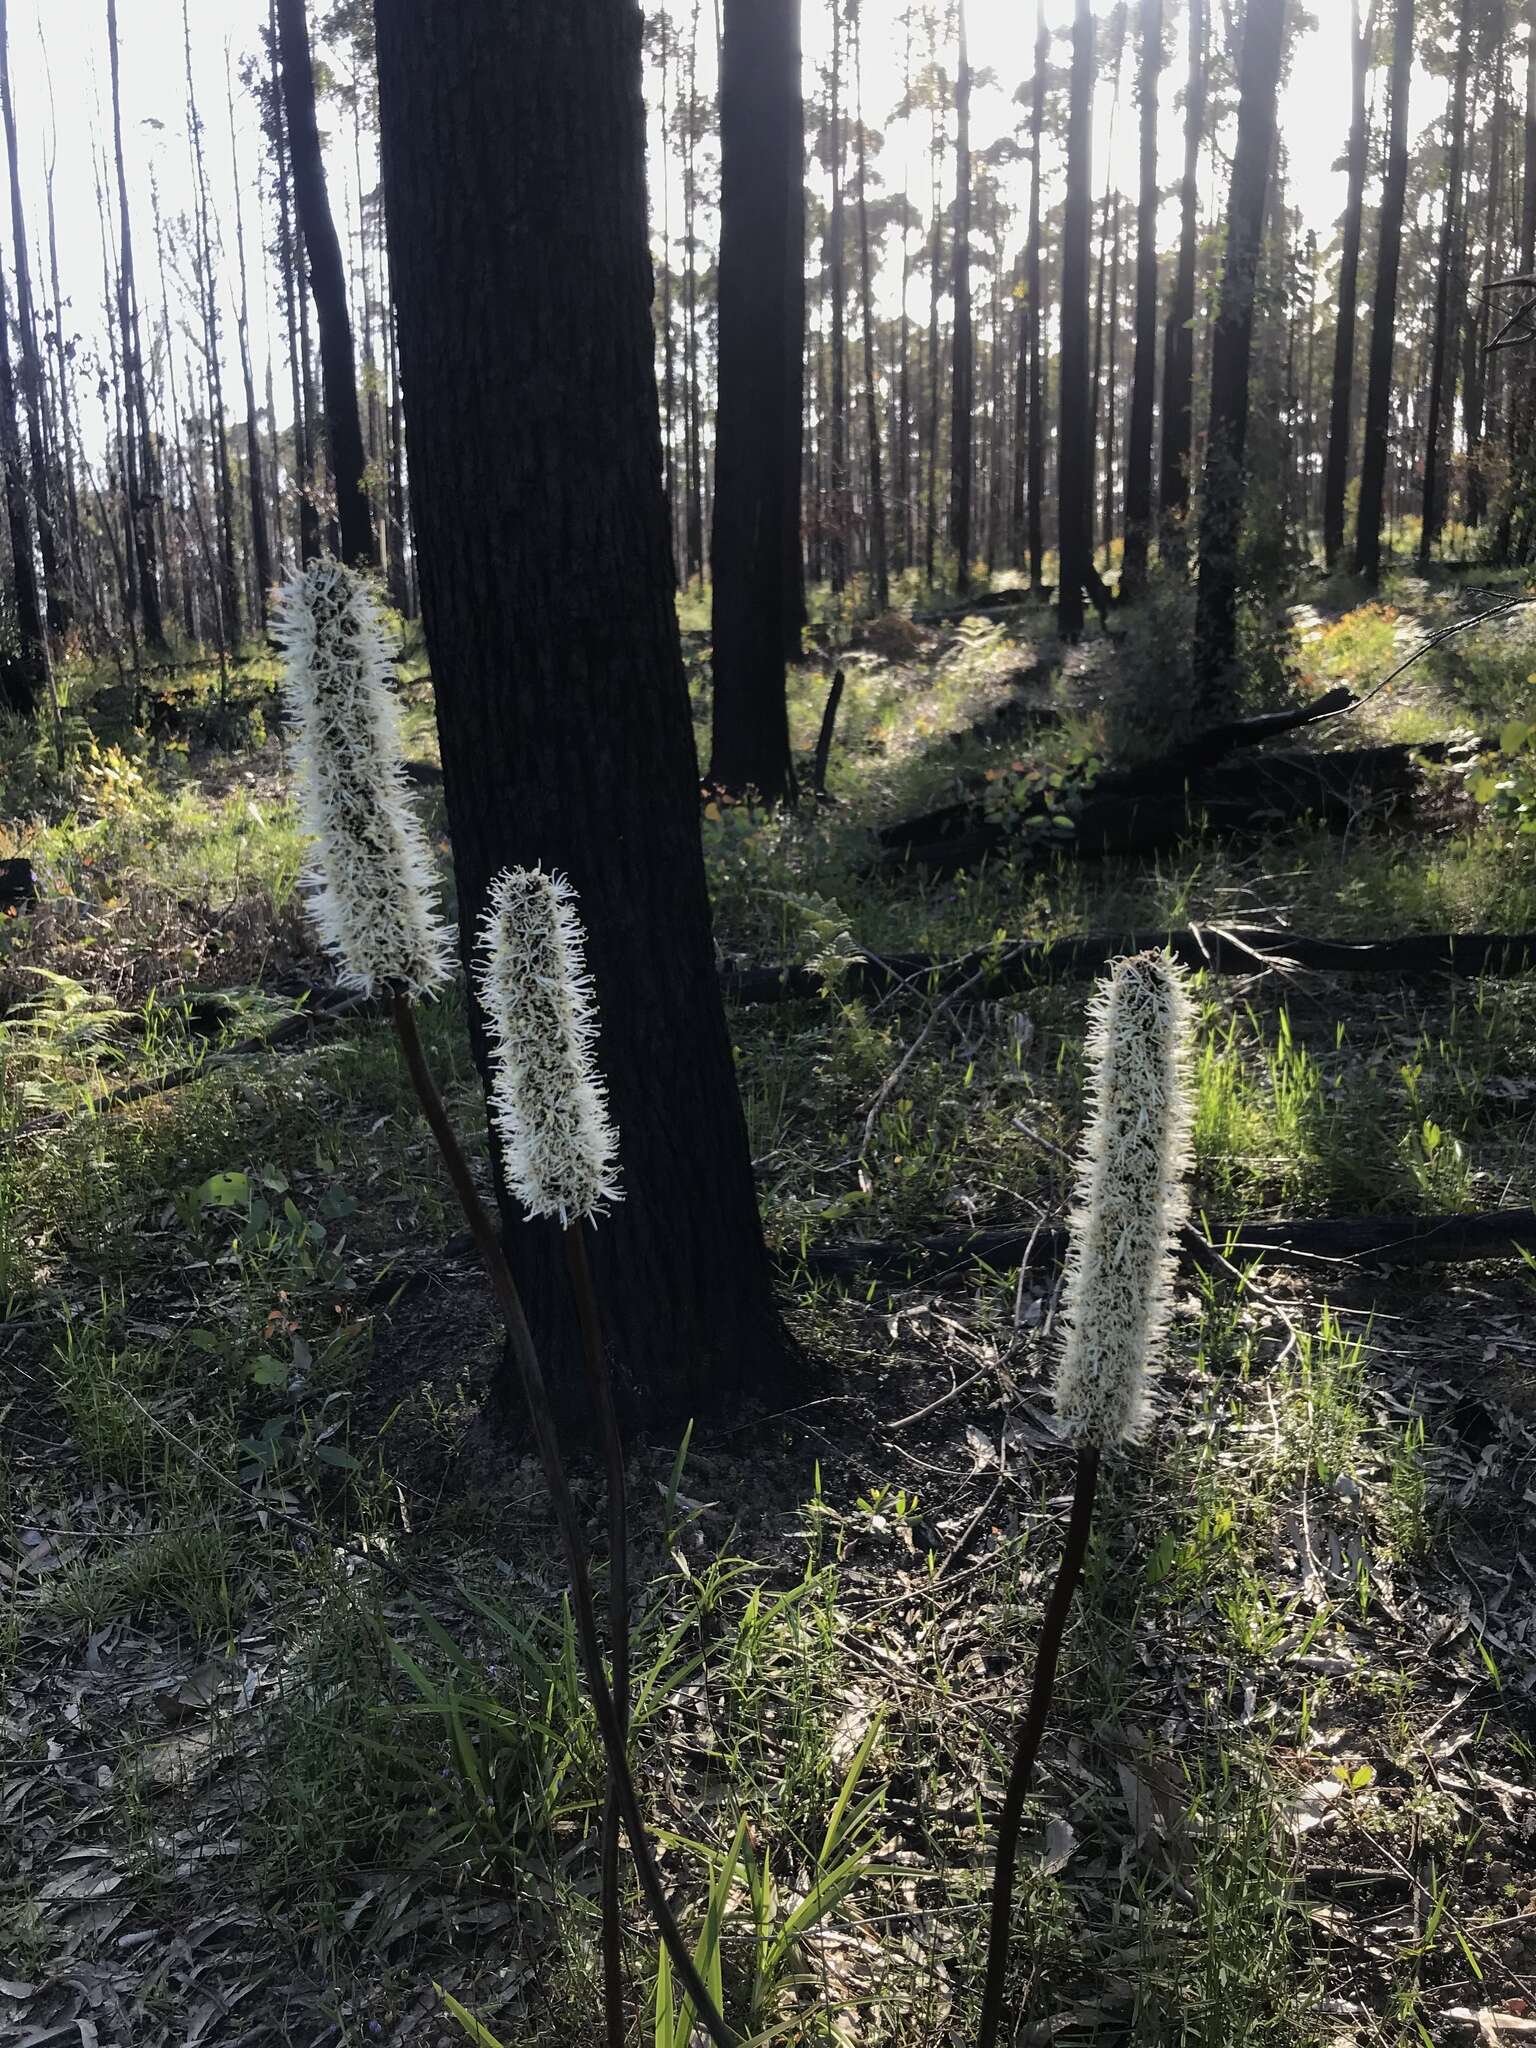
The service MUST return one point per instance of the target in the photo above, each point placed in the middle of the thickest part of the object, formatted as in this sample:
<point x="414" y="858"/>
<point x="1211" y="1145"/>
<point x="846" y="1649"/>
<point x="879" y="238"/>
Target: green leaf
<point x="224" y="1191"/>
<point x="269" y="1371"/>
<point x="344" y="1461"/>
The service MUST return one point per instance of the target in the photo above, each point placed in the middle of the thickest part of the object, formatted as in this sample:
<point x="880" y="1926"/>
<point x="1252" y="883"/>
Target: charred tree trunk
<point x="1075" y="466"/>
<point x="261" y="543"/>
<point x="213" y="358"/>
<point x="1339" y="422"/>
<point x="328" y="282"/>
<point x="961" y="452"/>
<point x="31" y="359"/>
<point x="1179" y="345"/>
<point x="1378" y="400"/>
<point x="1224" y="487"/>
<point x="1442" y="362"/>
<point x="138" y="447"/>
<point x="759" y="90"/>
<point x="879" y="558"/>
<point x="562" y="703"/>
<point x="1035" y="458"/>
<point x="795" y="613"/>
<point x="22" y="678"/>
<point x="1138" y="460"/>
<point x="837" y="283"/>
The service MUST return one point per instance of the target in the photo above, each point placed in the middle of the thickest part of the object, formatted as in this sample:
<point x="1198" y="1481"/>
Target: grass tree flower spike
<point x="374" y="892"/>
<point x="1118" y="1295"/>
<point x="1131" y="1201"/>
<point x="559" y="1147"/>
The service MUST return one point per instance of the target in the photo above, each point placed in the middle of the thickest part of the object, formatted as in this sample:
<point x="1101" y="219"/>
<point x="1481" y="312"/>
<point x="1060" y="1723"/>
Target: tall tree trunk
<point x="1339" y="425"/>
<point x="1378" y="401"/>
<point x="328" y="282"/>
<point x="31" y="360"/>
<point x="904" y="527"/>
<point x="562" y="703"/>
<point x="1179" y="347"/>
<point x="1138" y="454"/>
<point x="213" y="354"/>
<point x="795" y="613"/>
<point x="1075" y="462"/>
<point x="1035" y="461"/>
<point x="935" y="291"/>
<point x="1475" y="377"/>
<point x="1522" y="388"/>
<point x="1442" y="362"/>
<point x="22" y="679"/>
<point x="758" y="89"/>
<point x="1112" y="350"/>
<point x="838" y="288"/>
<point x="693" y="428"/>
<point x="1225" y="482"/>
<point x="310" y="539"/>
<point x="261" y="544"/>
<point x="961" y="453"/>
<point x="138" y="448"/>
<point x="879" y="559"/>
<point x="61" y="367"/>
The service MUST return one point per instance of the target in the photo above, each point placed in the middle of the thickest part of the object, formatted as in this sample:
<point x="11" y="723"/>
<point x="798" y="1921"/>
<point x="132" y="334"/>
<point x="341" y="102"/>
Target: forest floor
<point x="290" y="1727"/>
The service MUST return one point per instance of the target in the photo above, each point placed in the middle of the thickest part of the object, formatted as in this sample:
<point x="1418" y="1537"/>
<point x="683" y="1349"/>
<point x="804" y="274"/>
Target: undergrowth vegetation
<point x="285" y="1657"/>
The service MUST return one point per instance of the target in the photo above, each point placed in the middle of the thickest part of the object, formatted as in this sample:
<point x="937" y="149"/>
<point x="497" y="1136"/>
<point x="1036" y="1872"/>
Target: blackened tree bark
<point x="261" y="544"/>
<point x="535" y="445"/>
<point x="1138" y="458"/>
<point x="1442" y="360"/>
<point x="759" y="95"/>
<point x="963" y="380"/>
<point x="795" y="614"/>
<point x="879" y="558"/>
<point x="328" y="282"/>
<point x="1179" y="344"/>
<point x="1224" y="486"/>
<point x="1339" y="424"/>
<point x="1480" y="391"/>
<point x="1378" y="397"/>
<point x="31" y="358"/>
<point x="21" y="679"/>
<point x="1035" y="460"/>
<point x="837" y="280"/>
<point x="1075" y="464"/>
<point x="213" y="357"/>
<point x="1522" y="397"/>
<point x="138" y="448"/>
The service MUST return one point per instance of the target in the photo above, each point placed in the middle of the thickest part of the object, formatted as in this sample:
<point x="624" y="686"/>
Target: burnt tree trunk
<point x="1378" y="397"/>
<point x="1138" y="460"/>
<point x="963" y="379"/>
<point x="1224" y="487"/>
<point x="1075" y="466"/>
<point x="328" y="283"/>
<point x="1442" y="361"/>
<point x="534" y="442"/>
<point x="1035" y="458"/>
<point x="879" y="555"/>
<point x="759" y="93"/>
<point x="1179" y="344"/>
<point x="138" y="448"/>
<point x="261" y="543"/>
<point x="1337" y="475"/>
<point x="31" y="358"/>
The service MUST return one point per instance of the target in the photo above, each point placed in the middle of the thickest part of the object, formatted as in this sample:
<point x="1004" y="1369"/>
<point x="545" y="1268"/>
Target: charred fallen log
<point x="1266" y="793"/>
<point x="1229" y="949"/>
<point x="1307" y="1241"/>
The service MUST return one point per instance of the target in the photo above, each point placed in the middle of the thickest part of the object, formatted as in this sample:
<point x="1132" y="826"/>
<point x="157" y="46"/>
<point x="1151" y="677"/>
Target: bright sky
<point x="1315" y="117"/>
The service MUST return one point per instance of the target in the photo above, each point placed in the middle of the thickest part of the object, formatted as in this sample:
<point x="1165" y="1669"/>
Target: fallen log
<point x="1232" y="800"/>
<point x="1167" y="774"/>
<point x="1305" y="1241"/>
<point x="1228" y="949"/>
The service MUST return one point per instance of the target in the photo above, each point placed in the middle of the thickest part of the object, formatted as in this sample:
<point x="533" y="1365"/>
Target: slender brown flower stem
<point x="536" y="1393"/>
<point x="1047" y="1654"/>
<point x="600" y="1391"/>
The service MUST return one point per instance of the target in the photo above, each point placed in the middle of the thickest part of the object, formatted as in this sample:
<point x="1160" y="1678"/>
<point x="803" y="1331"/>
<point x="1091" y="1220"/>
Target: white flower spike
<point x="373" y="890"/>
<point x="559" y="1149"/>
<point x="1131" y="1200"/>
